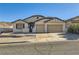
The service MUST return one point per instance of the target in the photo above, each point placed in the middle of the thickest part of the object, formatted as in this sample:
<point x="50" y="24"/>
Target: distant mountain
<point x="5" y="24"/>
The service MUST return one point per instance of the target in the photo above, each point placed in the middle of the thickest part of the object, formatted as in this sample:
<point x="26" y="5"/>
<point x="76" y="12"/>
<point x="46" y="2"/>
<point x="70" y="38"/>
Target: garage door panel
<point x="40" y="28"/>
<point x="54" y="28"/>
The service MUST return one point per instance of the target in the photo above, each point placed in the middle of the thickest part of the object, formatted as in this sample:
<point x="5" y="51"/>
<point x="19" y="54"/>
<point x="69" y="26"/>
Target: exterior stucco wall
<point x="67" y="25"/>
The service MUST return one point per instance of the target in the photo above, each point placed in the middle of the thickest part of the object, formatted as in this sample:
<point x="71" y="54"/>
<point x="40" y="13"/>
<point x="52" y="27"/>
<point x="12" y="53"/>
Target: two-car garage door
<point x="51" y="28"/>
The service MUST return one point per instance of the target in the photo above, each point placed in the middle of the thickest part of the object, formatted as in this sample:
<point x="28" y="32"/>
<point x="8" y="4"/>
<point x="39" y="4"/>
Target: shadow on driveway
<point x="69" y="36"/>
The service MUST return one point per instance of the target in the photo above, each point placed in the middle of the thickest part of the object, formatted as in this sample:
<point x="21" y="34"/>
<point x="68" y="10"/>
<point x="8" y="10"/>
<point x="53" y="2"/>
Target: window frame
<point x="20" y="26"/>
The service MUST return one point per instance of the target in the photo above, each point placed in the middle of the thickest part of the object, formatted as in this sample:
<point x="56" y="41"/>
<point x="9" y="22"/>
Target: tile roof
<point x="49" y="18"/>
<point x="27" y="19"/>
<point x="43" y="17"/>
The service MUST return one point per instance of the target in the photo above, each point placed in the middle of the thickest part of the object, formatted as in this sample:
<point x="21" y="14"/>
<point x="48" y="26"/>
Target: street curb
<point x="14" y="42"/>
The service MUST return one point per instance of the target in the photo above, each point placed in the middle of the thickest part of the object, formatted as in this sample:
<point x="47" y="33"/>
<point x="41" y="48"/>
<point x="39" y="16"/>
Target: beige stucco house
<point x="42" y="24"/>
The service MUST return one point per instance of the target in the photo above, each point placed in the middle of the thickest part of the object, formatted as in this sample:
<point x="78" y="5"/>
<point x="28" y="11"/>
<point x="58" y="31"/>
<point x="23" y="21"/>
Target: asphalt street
<point x="48" y="48"/>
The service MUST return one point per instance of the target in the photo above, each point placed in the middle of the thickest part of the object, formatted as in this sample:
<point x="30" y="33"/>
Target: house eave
<point x="19" y="20"/>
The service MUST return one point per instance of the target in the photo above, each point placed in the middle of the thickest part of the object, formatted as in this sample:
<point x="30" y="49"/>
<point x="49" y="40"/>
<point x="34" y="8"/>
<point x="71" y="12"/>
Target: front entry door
<point x="31" y="25"/>
<point x="30" y="30"/>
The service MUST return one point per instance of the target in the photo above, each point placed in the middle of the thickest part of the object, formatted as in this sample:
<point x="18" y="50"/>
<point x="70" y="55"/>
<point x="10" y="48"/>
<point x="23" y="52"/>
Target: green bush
<point x="70" y="29"/>
<point x="74" y="29"/>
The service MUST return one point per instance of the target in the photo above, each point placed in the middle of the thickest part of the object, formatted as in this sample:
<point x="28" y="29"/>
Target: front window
<point x="20" y="26"/>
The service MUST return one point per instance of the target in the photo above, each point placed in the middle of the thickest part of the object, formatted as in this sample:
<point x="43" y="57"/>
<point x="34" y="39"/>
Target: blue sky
<point x="13" y="11"/>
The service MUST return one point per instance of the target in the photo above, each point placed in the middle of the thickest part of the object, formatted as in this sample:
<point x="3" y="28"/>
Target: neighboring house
<point x="42" y="24"/>
<point x="72" y="21"/>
